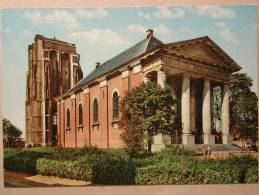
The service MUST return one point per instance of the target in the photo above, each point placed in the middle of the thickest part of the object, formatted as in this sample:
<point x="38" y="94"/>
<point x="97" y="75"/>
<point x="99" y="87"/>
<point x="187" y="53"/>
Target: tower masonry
<point x="53" y="68"/>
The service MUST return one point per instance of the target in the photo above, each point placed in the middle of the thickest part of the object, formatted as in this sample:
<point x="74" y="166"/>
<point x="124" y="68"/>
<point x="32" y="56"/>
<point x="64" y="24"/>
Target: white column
<point x="206" y="114"/>
<point x="145" y="79"/>
<point x="187" y="137"/>
<point x="161" y="78"/>
<point x="160" y="140"/>
<point x="227" y="139"/>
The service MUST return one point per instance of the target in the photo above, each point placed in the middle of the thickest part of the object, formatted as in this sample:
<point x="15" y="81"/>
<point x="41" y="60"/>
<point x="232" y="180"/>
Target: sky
<point x="101" y="33"/>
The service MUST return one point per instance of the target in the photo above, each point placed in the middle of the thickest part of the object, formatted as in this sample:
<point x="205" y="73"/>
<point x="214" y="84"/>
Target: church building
<point x="89" y="112"/>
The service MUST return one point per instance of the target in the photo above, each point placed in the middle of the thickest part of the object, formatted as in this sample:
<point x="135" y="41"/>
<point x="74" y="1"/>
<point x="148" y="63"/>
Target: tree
<point x="11" y="133"/>
<point x="243" y="106"/>
<point x="147" y="111"/>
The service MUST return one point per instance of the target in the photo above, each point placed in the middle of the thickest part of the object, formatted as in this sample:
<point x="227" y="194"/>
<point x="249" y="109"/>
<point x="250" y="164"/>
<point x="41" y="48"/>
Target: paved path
<point x="20" y="179"/>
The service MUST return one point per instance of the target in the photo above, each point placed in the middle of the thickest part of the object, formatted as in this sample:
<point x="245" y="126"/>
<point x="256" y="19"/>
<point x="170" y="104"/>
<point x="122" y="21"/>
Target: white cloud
<point x="7" y="29"/>
<point x="160" y="29"/>
<point x="34" y="16"/>
<point x="220" y="24"/>
<point x="27" y="32"/>
<point x="215" y="12"/>
<point x="163" y="12"/>
<point x="63" y="17"/>
<point x="144" y="16"/>
<point x="56" y="17"/>
<point x="99" y="36"/>
<point x="225" y="34"/>
<point x="96" y="13"/>
<point x="137" y="28"/>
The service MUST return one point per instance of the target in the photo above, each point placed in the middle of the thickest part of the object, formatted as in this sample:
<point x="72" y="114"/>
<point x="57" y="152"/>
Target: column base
<point x="208" y="139"/>
<point x="157" y="147"/>
<point x="227" y="139"/>
<point x="188" y="139"/>
<point x="162" y="139"/>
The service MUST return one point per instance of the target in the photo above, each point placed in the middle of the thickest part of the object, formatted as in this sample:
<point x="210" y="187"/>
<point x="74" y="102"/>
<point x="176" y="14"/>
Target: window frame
<point x="80" y="115"/>
<point x="115" y="106"/>
<point x="95" y="111"/>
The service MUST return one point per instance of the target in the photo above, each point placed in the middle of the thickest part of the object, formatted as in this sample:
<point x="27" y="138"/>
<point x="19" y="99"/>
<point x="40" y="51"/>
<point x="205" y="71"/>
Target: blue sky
<point x="101" y="33"/>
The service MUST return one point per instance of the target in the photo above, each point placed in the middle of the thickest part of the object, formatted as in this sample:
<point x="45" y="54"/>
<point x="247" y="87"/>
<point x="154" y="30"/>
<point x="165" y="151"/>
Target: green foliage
<point x="193" y="171"/>
<point x="243" y="105"/>
<point x="109" y="169"/>
<point x="251" y="175"/>
<point x="99" y="169"/>
<point x="23" y="161"/>
<point x="78" y="169"/>
<point x="11" y="133"/>
<point x="147" y="111"/>
<point x="174" y="165"/>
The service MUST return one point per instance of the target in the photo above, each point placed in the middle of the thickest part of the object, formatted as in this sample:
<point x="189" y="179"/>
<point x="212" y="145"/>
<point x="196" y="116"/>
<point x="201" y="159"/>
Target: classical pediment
<point x="204" y="50"/>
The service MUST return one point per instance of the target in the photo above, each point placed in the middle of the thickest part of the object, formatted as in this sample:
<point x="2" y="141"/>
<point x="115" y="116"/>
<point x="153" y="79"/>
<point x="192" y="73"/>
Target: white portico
<point x="192" y="77"/>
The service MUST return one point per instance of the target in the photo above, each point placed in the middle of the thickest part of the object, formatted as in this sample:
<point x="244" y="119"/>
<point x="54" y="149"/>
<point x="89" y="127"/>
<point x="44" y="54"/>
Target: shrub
<point x="78" y="170"/>
<point x="74" y="153"/>
<point x="108" y="169"/>
<point x="251" y="175"/>
<point x="8" y="152"/>
<point x="23" y="161"/>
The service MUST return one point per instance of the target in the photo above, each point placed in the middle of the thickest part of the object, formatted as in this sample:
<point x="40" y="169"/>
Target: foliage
<point x="78" y="170"/>
<point x="11" y="133"/>
<point x="109" y="169"/>
<point x="23" y="161"/>
<point x="243" y="106"/>
<point x="174" y="165"/>
<point x="251" y="175"/>
<point x="99" y="169"/>
<point x="147" y="111"/>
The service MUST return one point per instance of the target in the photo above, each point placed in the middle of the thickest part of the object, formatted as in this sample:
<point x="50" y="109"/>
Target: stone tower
<point x="53" y="68"/>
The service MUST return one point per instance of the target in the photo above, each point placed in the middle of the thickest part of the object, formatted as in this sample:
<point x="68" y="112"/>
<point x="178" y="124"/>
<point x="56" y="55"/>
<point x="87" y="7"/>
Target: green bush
<point x="8" y="152"/>
<point x="114" y="166"/>
<point x="251" y="175"/>
<point x="156" y="174"/>
<point x="109" y="169"/>
<point x="23" y="161"/>
<point x="99" y="169"/>
<point x="78" y="170"/>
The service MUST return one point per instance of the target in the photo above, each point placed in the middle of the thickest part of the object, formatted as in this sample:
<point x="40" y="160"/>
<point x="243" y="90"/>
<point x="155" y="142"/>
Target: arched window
<point x="80" y="114"/>
<point x="68" y="118"/>
<point x="115" y="100"/>
<point x="95" y="110"/>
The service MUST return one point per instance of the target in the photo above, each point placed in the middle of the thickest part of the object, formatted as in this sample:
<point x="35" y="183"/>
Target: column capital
<point x="86" y="91"/>
<point x="187" y="76"/>
<point x="73" y="96"/>
<point x="125" y="73"/>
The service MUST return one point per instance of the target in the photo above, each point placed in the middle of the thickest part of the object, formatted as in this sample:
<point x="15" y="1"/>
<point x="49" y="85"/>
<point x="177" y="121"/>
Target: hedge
<point x="156" y="174"/>
<point x="23" y="161"/>
<point x="108" y="169"/>
<point x="99" y="169"/>
<point x="171" y="166"/>
<point x="66" y="169"/>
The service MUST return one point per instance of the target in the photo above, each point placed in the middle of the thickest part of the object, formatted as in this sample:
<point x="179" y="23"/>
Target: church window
<point x="80" y="115"/>
<point x="68" y="118"/>
<point x="95" y="110"/>
<point x="115" y="100"/>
